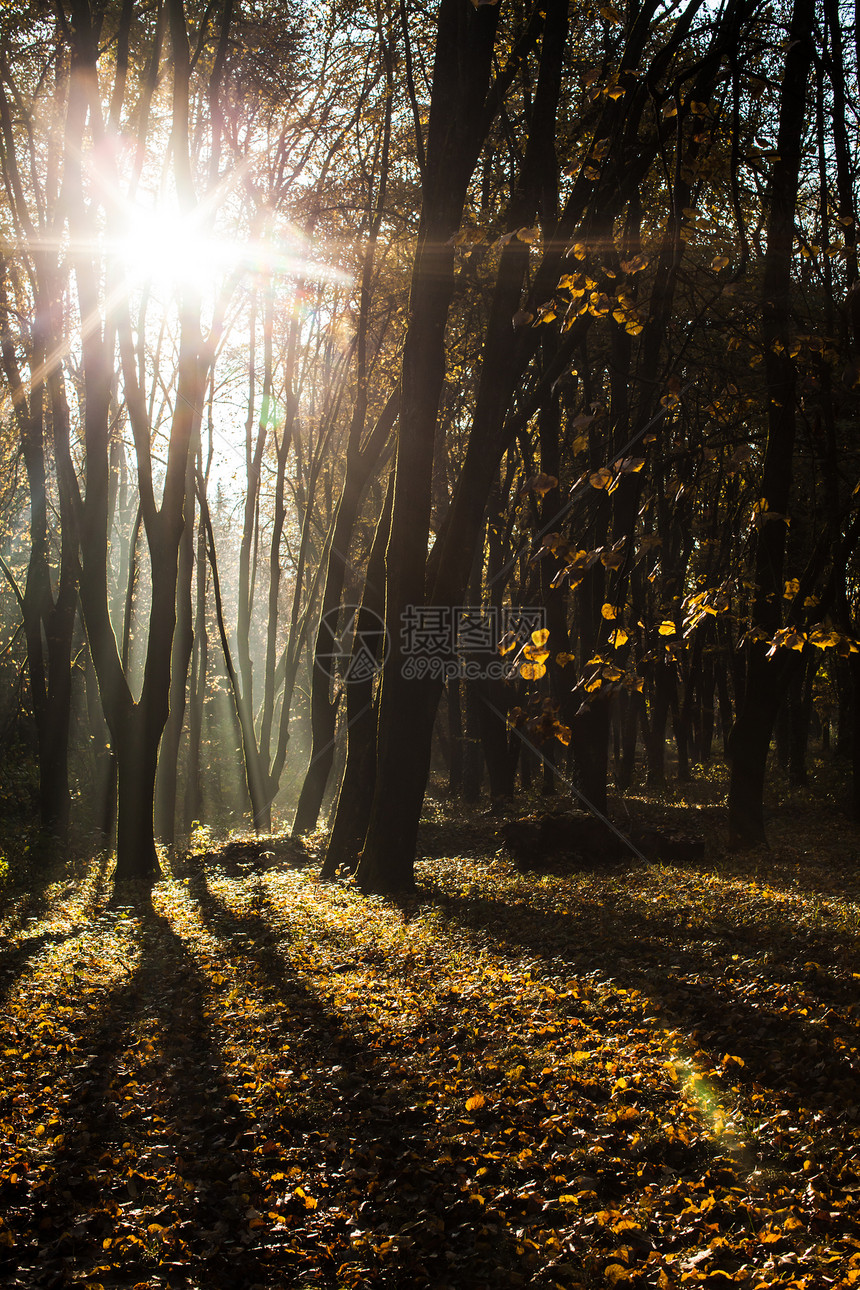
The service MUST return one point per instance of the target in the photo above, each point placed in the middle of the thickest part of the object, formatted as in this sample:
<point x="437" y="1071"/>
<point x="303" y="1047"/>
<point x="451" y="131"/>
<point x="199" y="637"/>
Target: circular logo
<point x="353" y="644"/>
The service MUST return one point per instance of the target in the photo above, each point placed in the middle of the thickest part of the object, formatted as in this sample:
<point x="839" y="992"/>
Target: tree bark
<point x="464" y="46"/>
<point x="766" y="677"/>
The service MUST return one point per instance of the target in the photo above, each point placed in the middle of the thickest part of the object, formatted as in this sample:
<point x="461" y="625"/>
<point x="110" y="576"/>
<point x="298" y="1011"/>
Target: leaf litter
<point x="641" y="1076"/>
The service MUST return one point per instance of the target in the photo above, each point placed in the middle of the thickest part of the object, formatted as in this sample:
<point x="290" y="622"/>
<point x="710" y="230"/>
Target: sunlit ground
<point x="641" y="1076"/>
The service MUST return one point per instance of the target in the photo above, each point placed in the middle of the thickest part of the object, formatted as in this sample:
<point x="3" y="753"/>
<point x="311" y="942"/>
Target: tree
<point x="766" y="680"/>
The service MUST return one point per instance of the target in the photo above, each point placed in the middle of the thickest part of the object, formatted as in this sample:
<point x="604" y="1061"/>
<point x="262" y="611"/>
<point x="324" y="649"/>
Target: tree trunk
<point x="464" y="47"/>
<point x="752" y="731"/>
<point x="137" y="758"/>
<point x="193" y="805"/>
<point x="655" y="743"/>
<point x="801" y="719"/>
<point x="352" y="812"/>
<point x="473" y="753"/>
<point x="455" y="737"/>
<point x="492" y="708"/>
<point x="166" y="783"/>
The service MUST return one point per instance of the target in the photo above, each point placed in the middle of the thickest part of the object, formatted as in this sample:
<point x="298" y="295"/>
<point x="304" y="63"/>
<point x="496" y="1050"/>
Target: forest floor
<point x="638" y="1074"/>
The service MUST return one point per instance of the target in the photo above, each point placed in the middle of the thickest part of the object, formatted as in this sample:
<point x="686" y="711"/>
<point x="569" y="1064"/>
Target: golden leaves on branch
<point x="536" y="654"/>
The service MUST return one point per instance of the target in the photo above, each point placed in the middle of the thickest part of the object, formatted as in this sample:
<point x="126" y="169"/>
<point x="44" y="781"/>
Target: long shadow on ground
<point x="138" y="1180"/>
<point x="702" y="988"/>
<point x="388" y="1180"/>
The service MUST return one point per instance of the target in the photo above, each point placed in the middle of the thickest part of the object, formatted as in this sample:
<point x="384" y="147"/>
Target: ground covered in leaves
<point x="641" y="1075"/>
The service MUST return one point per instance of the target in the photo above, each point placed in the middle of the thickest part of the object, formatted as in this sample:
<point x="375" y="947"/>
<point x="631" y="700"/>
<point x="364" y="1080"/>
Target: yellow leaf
<point x="667" y="628"/>
<point x="601" y="478"/>
<point x="543" y="484"/>
<point x="615" y="1273"/>
<point x="636" y="265"/>
<point x="719" y="262"/>
<point x="475" y="1102"/>
<point x="612" y="559"/>
<point x="618" y="638"/>
<point x="792" y="587"/>
<point x="532" y="671"/>
<point x="608" y="611"/>
<point x="540" y="637"/>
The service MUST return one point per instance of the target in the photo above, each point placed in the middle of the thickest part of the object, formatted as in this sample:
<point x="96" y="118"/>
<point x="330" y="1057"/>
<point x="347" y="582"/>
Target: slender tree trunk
<point x="323" y="706"/>
<point x="765" y="677"/>
<point x="473" y="753"/>
<point x="183" y="643"/>
<point x="455" y="737"/>
<point x="801" y="719"/>
<point x="352" y="812"/>
<point x="492" y="709"/>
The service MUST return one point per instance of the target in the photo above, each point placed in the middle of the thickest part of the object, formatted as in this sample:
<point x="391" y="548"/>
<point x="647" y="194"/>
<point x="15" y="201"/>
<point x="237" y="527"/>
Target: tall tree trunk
<point x="166" y="783"/>
<point x="455" y="736"/>
<point x="323" y="705"/>
<point x="464" y="46"/>
<point x="766" y="677"/>
<point x="197" y="690"/>
<point x="352" y="811"/>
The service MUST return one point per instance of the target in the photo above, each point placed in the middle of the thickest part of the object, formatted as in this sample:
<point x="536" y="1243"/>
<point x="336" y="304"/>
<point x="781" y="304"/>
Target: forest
<point x="429" y="644"/>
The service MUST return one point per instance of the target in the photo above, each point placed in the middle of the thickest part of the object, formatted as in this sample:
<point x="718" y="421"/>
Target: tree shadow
<point x="388" y="1168"/>
<point x="698" y="988"/>
<point x="146" y="1148"/>
<point x="25" y="899"/>
<point x="14" y="961"/>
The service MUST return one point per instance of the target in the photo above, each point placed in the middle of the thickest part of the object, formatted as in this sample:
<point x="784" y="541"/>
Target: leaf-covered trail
<point x="644" y="1076"/>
